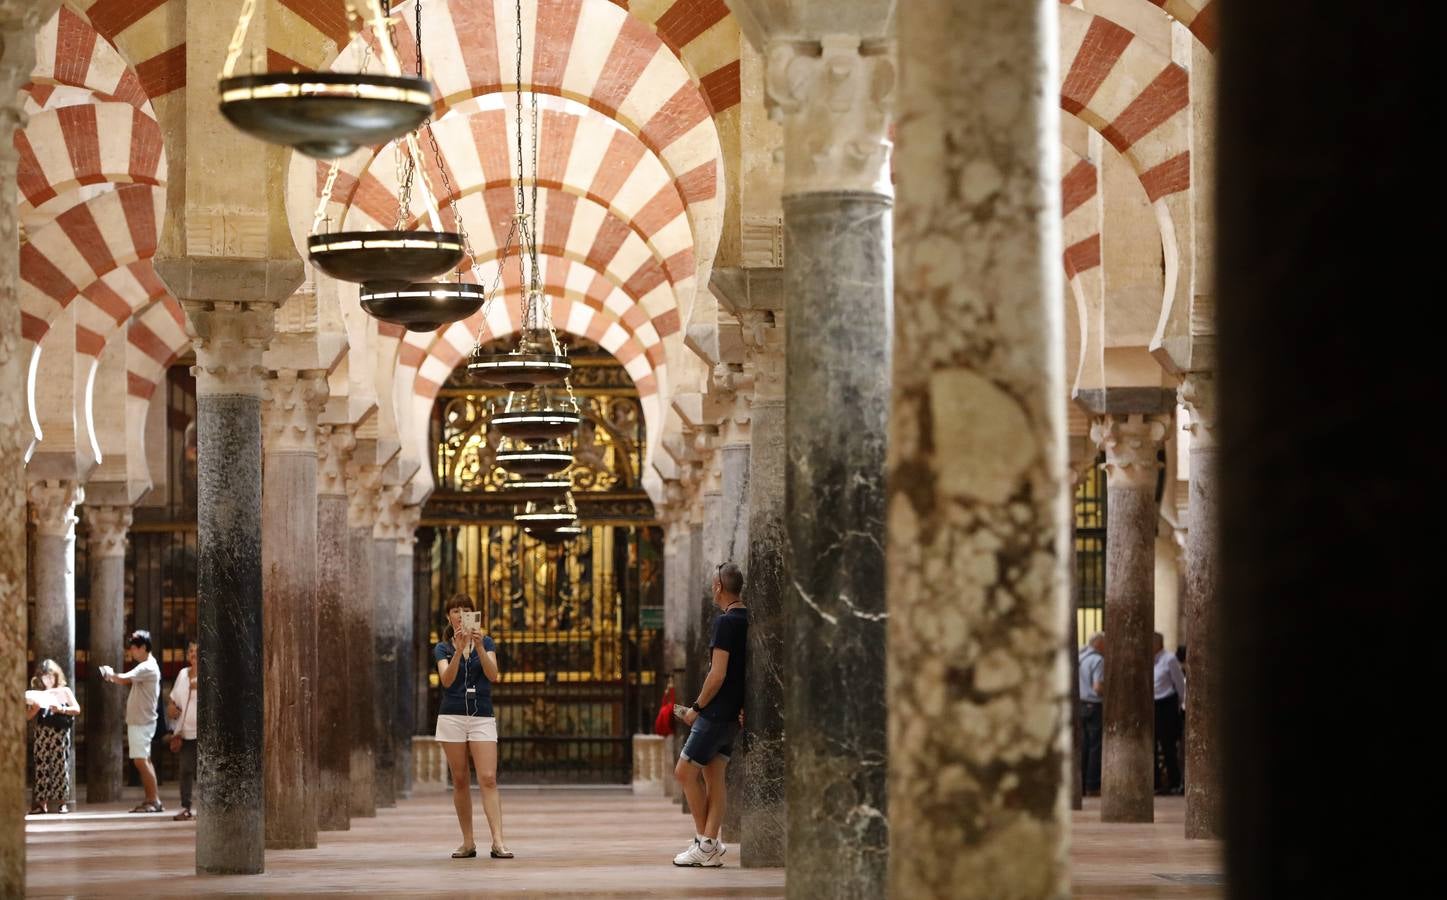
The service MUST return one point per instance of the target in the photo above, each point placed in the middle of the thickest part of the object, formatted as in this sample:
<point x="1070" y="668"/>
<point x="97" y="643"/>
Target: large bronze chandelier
<point x="325" y="114"/>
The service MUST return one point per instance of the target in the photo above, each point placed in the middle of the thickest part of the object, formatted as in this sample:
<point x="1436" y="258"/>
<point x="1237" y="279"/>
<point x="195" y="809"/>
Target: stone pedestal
<point x="230" y="826"/>
<point x="19" y="20"/>
<point x="52" y="512"/>
<point x="833" y="98"/>
<point x="1131" y="443"/>
<point x="385" y="641"/>
<point x="334" y="647"/>
<point x="978" y="494"/>
<point x="289" y="585"/>
<point x="105" y="707"/>
<point x="762" y="838"/>
<point x="1202" y="638"/>
<point x="363" y="488"/>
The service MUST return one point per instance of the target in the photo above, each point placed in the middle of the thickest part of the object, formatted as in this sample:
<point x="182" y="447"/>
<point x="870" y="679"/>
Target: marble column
<point x="105" y="707"/>
<point x="230" y="825"/>
<point x="19" y="20"/>
<point x="404" y="723"/>
<point x="1203" y="691"/>
<point x="761" y="797"/>
<point x="333" y="694"/>
<point x="385" y="640"/>
<point x="52" y="512"/>
<point x="733" y="544"/>
<point x="978" y="492"/>
<point x="833" y="97"/>
<point x="364" y="483"/>
<point x="289" y="588"/>
<point x="1131" y="443"/>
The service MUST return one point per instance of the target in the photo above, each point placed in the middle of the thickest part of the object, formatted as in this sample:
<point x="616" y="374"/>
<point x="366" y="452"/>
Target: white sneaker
<point x="697" y="857"/>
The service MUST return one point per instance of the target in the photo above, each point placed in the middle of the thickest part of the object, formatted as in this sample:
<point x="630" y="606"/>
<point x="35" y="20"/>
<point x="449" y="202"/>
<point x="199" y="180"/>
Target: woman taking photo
<point x="53" y="707"/>
<point x="466" y="726"/>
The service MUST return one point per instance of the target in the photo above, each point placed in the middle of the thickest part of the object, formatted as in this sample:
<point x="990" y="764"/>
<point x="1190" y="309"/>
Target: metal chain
<point x="321" y="213"/>
<point x="238" y="38"/>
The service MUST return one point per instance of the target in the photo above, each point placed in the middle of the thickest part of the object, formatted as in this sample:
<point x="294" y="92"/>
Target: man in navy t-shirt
<point x="714" y="718"/>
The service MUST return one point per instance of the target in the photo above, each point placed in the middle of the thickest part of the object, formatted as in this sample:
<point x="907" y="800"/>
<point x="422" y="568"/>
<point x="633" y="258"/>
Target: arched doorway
<point x="578" y="626"/>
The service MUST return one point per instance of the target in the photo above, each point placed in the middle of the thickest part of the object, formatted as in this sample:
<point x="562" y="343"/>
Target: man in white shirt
<point x="144" y="679"/>
<point x="1170" y="693"/>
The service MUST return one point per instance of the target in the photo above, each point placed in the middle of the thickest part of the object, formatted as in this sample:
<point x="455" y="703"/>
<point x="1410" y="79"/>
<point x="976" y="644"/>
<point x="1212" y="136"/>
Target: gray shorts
<point x="708" y="739"/>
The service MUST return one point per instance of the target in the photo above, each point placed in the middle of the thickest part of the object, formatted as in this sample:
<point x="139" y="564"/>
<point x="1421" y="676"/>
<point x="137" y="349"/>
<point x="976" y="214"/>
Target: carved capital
<point x="364" y="487"/>
<point x="1131" y="444"/>
<point x="388" y="526"/>
<point x="108" y="527"/>
<point x="763" y="335"/>
<point x="408" y="518"/>
<point x="52" y="507"/>
<point x="1198" y="395"/>
<point x="294" y="399"/>
<point x="834" y="99"/>
<point x="334" y="451"/>
<point x="229" y="339"/>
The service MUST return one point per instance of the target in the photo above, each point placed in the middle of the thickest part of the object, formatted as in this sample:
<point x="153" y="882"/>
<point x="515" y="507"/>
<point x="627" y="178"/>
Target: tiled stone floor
<point x="570" y="843"/>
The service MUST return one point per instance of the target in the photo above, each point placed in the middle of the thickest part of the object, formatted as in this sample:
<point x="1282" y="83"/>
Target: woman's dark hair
<point x="140" y="638"/>
<point x="460" y="601"/>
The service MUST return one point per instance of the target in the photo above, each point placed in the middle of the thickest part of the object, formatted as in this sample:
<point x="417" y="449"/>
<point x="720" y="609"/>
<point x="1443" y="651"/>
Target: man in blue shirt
<point x="714" y="719"/>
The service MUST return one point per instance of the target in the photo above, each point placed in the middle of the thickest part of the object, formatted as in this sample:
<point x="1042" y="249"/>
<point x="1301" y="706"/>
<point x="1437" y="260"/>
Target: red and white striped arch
<point x="88" y="241"/>
<point x="1138" y="99"/>
<point x="590" y="51"/>
<point x="62" y="149"/>
<point x="155" y="337"/>
<point x="1197" y="15"/>
<point x="1081" y="223"/>
<point x="69" y="52"/>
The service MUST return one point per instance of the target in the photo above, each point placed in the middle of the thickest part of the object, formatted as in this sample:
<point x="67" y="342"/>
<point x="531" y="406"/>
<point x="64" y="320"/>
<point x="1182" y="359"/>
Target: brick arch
<point x="70" y="52"/>
<point x="85" y="144"/>
<point x="1080" y="225"/>
<point x="86" y="242"/>
<point x="1139" y="101"/>
<point x="155" y="337"/>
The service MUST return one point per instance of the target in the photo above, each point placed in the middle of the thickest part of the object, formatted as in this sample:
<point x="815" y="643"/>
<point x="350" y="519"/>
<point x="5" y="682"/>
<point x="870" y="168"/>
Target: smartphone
<point x="679" y="710"/>
<point x="471" y="620"/>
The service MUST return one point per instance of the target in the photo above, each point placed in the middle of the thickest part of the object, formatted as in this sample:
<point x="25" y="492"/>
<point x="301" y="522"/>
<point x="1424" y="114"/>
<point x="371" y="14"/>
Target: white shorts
<point x="139" y="738"/>
<point x="459" y="729"/>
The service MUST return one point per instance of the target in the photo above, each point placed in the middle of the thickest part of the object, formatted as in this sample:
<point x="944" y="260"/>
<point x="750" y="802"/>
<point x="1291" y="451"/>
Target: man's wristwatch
<point x="696" y="708"/>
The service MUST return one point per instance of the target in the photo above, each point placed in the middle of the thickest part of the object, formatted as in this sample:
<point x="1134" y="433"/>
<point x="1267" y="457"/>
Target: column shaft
<point x="978" y="500"/>
<point x="105" y="707"/>
<point x="404" y="725"/>
<point x="384" y="643"/>
<point x="334" y="694"/>
<point x="734" y="548"/>
<point x="838" y="288"/>
<point x="52" y="511"/>
<point x="1202" y="638"/>
<point x="289" y="585"/>
<point x="362" y="672"/>
<point x="1127" y="785"/>
<point x="761" y="799"/>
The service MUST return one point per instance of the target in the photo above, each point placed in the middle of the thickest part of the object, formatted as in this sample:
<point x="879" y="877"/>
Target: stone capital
<point x="364" y="488"/>
<point x="229" y="339"/>
<point x="408" y="518"/>
<point x="52" y="507"/>
<point x="763" y="334"/>
<point x="1132" y="444"/>
<point x="390" y="512"/>
<point x="108" y="526"/>
<point x="294" y="399"/>
<point x="334" y="452"/>
<point x="1198" y="396"/>
<point x="834" y="98"/>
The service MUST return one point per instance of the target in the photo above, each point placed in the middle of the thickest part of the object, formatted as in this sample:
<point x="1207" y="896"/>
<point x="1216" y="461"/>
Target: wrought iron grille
<point x="1089" y="512"/>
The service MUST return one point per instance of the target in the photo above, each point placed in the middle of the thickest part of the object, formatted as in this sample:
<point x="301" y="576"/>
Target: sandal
<point x="64" y="808"/>
<point x="37" y="809"/>
<point x="149" y="808"/>
<point x="185" y="815"/>
<point x="464" y="853"/>
<point x="501" y="852"/>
